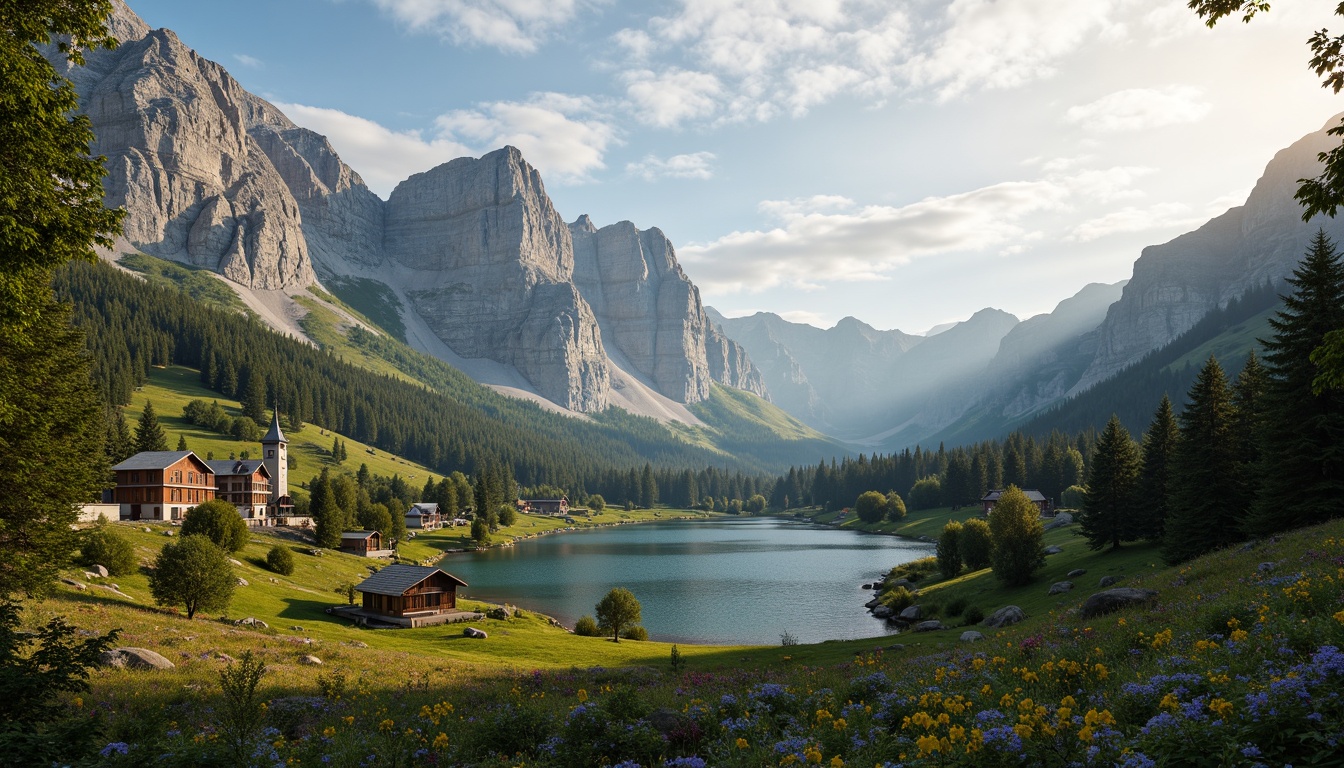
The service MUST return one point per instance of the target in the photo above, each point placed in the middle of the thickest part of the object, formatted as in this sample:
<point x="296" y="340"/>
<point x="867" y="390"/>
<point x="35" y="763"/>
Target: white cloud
<point x="695" y="165"/>
<point x="516" y="26"/>
<point x="813" y="247"/>
<point x="1132" y="219"/>
<point x="800" y="206"/>
<point x="248" y="61"/>
<point x="563" y="136"/>
<point x="1138" y="109"/>
<point x="666" y="99"/>
<point x="806" y="317"/>
<point x="560" y="135"/>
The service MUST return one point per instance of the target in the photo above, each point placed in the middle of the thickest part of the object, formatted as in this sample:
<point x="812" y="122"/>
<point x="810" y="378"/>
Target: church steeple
<point x="275" y="455"/>
<point x="274" y="434"/>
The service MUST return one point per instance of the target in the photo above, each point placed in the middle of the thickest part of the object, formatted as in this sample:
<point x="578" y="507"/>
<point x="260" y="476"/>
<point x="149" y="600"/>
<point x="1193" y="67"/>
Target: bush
<point x="949" y="551"/>
<point x="1015" y="530"/>
<point x="897" y="599"/>
<point x="218" y="521"/>
<point x="871" y="507"/>
<point x="635" y="633"/>
<point x="927" y="493"/>
<point x="973" y="615"/>
<point x="104" y="546"/>
<point x="586" y="627"/>
<point x="1072" y="497"/>
<point x="280" y="560"/>
<point x="974" y="543"/>
<point x="914" y="570"/>
<point x="895" y="507"/>
<point x="957" y="606"/>
<point x="596" y="502"/>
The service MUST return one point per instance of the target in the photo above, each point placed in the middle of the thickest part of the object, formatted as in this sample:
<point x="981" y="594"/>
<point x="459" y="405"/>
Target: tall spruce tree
<point x="119" y="445"/>
<point x="1207" y="509"/>
<point x="1248" y="405"/>
<point x="254" y="396"/>
<point x="1109" y="512"/>
<point x="1156" y="473"/>
<point x="328" y="518"/>
<point x="149" y="435"/>
<point x="1301" y="469"/>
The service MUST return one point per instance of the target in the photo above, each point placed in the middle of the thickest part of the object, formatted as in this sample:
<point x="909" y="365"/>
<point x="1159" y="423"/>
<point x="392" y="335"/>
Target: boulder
<point x="357" y="644"/>
<point x="100" y="570"/>
<point x="871" y="604"/>
<point x="224" y="657"/>
<point x="911" y="613"/>
<point x="1060" y="587"/>
<point x="242" y="582"/>
<point x="1053" y="550"/>
<point x="1114" y="599"/>
<point x="133" y="658"/>
<point x="666" y="721"/>
<point x="867" y="586"/>
<point x="1064" y="517"/>
<point x="235" y="562"/>
<point x="90" y="575"/>
<point x="933" y="625"/>
<point x="882" y="611"/>
<point x="1107" y="581"/>
<point x="1006" y="616"/>
<point x="251" y="622"/>
<point x="479" y="634"/>
<point x="310" y="660"/>
<point x="167" y="533"/>
<point x="1076" y="572"/>
<point x="971" y="636"/>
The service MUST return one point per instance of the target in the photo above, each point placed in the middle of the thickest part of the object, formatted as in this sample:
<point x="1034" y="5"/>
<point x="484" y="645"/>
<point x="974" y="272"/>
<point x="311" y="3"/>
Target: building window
<point x="270" y="454"/>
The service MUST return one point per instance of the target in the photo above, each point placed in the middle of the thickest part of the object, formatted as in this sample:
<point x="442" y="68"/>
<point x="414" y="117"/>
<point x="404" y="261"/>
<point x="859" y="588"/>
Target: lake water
<point x="723" y="581"/>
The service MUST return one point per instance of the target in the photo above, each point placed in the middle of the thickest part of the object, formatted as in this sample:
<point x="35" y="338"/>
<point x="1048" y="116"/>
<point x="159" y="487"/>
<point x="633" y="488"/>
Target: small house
<point x="424" y="516"/>
<point x="409" y="594"/>
<point x="558" y="507"/>
<point x="1034" y="496"/>
<point x="364" y="544"/>
<point x="246" y="484"/>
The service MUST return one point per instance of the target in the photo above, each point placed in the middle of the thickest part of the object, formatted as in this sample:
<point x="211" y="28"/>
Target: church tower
<point x="275" y="455"/>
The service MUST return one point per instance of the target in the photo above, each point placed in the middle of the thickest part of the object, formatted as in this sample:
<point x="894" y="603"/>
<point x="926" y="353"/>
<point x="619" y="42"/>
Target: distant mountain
<point x="471" y="256"/>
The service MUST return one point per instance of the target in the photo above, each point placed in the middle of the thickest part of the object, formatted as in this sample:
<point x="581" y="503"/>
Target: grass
<point x="372" y="301"/>
<point x="197" y="282"/>
<point x="1231" y="344"/>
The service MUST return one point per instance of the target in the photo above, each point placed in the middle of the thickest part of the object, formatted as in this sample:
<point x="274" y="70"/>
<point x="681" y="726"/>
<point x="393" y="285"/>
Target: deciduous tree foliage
<point x="975" y="543"/>
<point x="616" y="611"/>
<point x="194" y="573"/>
<point x="218" y="521"/>
<point x="1111" y="502"/>
<point x="949" y="550"/>
<point x="870" y="507"/>
<point x="103" y="546"/>
<point x="1015" y="531"/>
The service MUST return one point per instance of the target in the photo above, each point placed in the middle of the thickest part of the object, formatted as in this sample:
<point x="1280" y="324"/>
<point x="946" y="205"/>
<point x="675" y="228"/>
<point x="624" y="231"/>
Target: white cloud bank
<point x="1138" y="109"/>
<point x="695" y="165"/>
<point x="516" y="26"/>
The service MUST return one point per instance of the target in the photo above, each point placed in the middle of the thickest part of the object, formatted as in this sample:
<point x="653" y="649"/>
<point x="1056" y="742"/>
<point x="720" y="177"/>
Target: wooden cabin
<point x="162" y="485"/>
<point x="362" y="543"/>
<point x="558" y="506"/>
<point x="1034" y="496"/>
<point x="424" y="516"/>
<point x="402" y="591"/>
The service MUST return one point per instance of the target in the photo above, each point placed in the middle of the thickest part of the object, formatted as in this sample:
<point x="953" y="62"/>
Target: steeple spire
<point x="274" y="435"/>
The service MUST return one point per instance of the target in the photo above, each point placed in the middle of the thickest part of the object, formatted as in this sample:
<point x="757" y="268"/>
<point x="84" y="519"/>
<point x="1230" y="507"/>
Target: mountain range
<point x="472" y="264"/>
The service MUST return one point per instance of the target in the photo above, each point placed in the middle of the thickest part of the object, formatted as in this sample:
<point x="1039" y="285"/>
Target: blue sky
<point x="907" y="163"/>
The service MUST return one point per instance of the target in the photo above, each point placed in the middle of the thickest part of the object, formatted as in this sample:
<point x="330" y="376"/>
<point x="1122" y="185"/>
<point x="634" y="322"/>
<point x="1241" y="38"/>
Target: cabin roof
<point x="1031" y="494"/>
<point x="357" y="535"/>
<point x="157" y="460"/>
<point x="395" y="580"/>
<point x="237" y="467"/>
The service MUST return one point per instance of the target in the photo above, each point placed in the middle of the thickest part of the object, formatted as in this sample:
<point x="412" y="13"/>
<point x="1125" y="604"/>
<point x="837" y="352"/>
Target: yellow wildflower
<point x="839" y="724"/>
<point x="583" y="695"/>
<point x="1170" y="703"/>
<point x="742" y="744"/>
<point x="441" y="741"/>
<point x="1221" y="707"/>
<point x="836" y="762"/>
<point x="386" y="726"/>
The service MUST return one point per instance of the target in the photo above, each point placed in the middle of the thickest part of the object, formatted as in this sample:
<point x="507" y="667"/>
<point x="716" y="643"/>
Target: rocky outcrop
<point x="649" y="310"/>
<point x="1177" y="283"/>
<point x="133" y="658"/>
<point x="1113" y="600"/>
<point x="195" y="186"/>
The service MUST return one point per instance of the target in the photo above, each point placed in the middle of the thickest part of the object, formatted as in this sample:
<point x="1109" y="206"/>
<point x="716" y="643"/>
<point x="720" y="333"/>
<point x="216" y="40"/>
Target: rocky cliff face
<point x="196" y="187"/>
<point x="1177" y="283"/>
<point x="649" y="310"/>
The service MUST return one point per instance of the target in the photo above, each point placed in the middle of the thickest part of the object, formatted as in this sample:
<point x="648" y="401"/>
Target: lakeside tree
<point x="616" y="611"/>
<point x="1015" y="531"/>
<point x="926" y="493"/>
<point x="949" y="550"/>
<point x="1206" y="510"/>
<point x="975" y="544"/>
<point x="895" y="507"/>
<point x="1110" y="503"/>
<point x="596" y="502"/>
<point x="218" y="521"/>
<point x="194" y="573"/>
<point x="1156" y="473"/>
<point x="480" y="531"/>
<point x="1301" y="473"/>
<point x="149" y="435"/>
<point x="870" y="507"/>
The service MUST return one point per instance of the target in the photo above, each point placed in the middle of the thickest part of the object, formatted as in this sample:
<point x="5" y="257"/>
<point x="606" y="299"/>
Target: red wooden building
<point x="162" y="485"/>
<point x="406" y="591"/>
<point x="245" y="483"/>
<point x="364" y="543"/>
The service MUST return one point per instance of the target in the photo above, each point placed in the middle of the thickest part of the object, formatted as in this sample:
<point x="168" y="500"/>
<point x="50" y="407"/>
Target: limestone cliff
<point x="648" y="308"/>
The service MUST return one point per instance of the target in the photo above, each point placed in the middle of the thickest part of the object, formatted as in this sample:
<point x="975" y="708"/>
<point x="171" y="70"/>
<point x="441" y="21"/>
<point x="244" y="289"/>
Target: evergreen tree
<point x="149" y="434"/>
<point x="328" y="519"/>
<point x="1110" y="503"/>
<point x="1156" y="472"/>
<point x="648" y="488"/>
<point x="1248" y="409"/>
<point x="118" y="445"/>
<point x="1206" y="510"/>
<point x="254" y="396"/>
<point x="1301" y="471"/>
<point x="182" y="443"/>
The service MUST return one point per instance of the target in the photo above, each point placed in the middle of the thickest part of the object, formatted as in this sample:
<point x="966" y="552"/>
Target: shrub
<point x="193" y="573"/>
<point x="107" y="548"/>
<point x="973" y="615"/>
<point x="895" y="507"/>
<point x="926" y="493"/>
<point x="596" y="502"/>
<point x="1072" y="497"/>
<point x="635" y="633"/>
<point x="897" y="599"/>
<point x="218" y="521"/>
<point x="871" y="507"/>
<point x="586" y="627"/>
<point x="949" y="553"/>
<point x="974" y="543"/>
<point x="280" y="560"/>
<point x="1015" y="530"/>
<point x="957" y="606"/>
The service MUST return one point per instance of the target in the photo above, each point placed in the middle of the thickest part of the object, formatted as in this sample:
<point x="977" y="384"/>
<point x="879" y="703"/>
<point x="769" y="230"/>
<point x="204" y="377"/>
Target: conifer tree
<point x="1109" y="506"/>
<point x="1206" y="509"/>
<point x="1156" y="473"/>
<point x="119" y="445"/>
<point x="182" y="443"/>
<point x="1248" y="407"/>
<point x="1301" y="471"/>
<point x="328" y="518"/>
<point x="149" y="434"/>
<point x="254" y="397"/>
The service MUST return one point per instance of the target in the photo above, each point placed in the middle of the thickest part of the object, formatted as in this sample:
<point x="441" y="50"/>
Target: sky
<point x="907" y="163"/>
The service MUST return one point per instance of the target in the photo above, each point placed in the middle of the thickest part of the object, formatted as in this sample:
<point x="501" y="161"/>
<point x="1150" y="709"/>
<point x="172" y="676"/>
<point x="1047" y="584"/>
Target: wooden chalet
<point x="1034" y="496"/>
<point x="245" y="483"/>
<point x="162" y="485"/>
<point x="424" y="516"/>
<point x="364" y="544"/>
<point x="558" y="506"/>
<point x="409" y="595"/>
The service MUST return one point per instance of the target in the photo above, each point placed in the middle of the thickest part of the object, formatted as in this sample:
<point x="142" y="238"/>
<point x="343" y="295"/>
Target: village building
<point x="1034" y="496"/>
<point x="424" y="516"/>
<point x="246" y="484"/>
<point x="558" y="507"/>
<point x="364" y="544"/>
<point x="410" y="595"/>
<point x="161" y="485"/>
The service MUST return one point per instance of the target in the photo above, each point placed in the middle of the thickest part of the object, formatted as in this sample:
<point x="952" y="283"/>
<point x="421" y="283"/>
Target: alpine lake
<point x="724" y="581"/>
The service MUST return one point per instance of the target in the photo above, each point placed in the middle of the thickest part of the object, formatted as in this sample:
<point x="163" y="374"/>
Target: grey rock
<point x="134" y="658"/>
<point x="911" y="613"/>
<point x="882" y="611"/>
<point x="90" y="576"/>
<point x="241" y="581"/>
<point x="666" y="721"/>
<point x="1107" y="581"/>
<point x="167" y="533"/>
<point x="871" y="604"/>
<point x="932" y="625"/>
<point x="1006" y="616"/>
<point x="1060" y="587"/>
<point x="72" y="583"/>
<point x="971" y="636"/>
<point x="238" y="563"/>
<point x="224" y="657"/>
<point x="1076" y="572"/>
<point x="1064" y="517"/>
<point x="1114" y="599"/>
<point x="479" y="634"/>
<point x="100" y="570"/>
<point x="251" y="622"/>
<point x="310" y="660"/>
<point x="357" y="644"/>
<point x="867" y="586"/>
<point x="1053" y="550"/>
